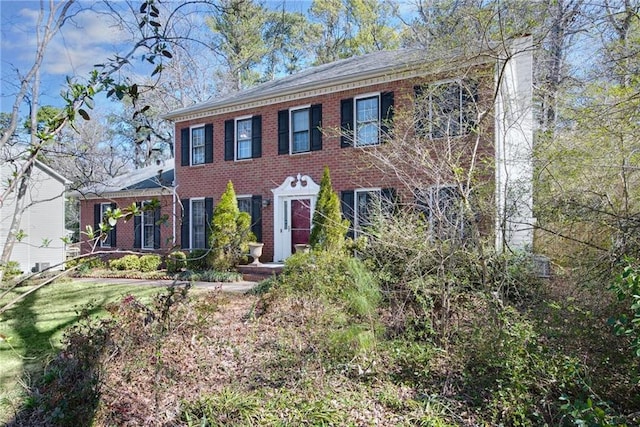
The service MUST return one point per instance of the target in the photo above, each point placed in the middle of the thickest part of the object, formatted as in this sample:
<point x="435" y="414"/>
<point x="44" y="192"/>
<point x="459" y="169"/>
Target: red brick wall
<point x="349" y="167"/>
<point x="125" y="230"/>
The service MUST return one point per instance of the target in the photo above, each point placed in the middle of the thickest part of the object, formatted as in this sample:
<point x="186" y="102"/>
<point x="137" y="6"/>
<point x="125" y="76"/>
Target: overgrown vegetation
<point x="332" y="342"/>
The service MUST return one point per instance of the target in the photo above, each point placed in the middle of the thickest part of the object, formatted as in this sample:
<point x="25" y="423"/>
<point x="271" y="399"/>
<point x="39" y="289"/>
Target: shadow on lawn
<point x="63" y="391"/>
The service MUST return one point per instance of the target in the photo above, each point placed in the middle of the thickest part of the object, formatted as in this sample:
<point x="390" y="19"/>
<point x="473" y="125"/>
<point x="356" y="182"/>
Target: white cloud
<point x="83" y="41"/>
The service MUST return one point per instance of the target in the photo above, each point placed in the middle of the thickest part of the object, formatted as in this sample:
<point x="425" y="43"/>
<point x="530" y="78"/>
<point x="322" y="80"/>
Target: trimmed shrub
<point x="230" y="232"/>
<point x="149" y="262"/>
<point x="127" y="262"/>
<point x="176" y="262"/>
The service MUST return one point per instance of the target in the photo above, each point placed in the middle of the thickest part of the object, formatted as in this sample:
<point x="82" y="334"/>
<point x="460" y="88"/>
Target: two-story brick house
<point x="273" y="141"/>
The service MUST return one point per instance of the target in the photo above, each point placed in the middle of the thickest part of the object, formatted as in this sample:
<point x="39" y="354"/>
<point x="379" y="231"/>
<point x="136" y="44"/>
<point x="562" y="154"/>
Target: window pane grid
<point x="197" y="146"/>
<point x="197" y="224"/>
<point x="300" y="130"/>
<point x="148" y="228"/>
<point x="243" y="139"/>
<point x="451" y="109"/>
<point x="367" y="121"/>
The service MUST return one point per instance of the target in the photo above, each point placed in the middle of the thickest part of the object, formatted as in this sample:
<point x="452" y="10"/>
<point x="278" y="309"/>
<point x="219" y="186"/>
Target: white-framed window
<point x="300" y="130"/>
<point x="105" y="208"/>
<point x="367" y="203"/>
<point x="446" y="109"/>
<point x="198" y="224"/>
<point x="243" y="138"/>
<point x="148" y="227"/>
<point x="197" y="145"/>
<point x="367" y="120"/>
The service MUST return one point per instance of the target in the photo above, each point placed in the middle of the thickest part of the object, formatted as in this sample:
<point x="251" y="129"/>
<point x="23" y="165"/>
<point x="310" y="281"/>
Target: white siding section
<point x="42" y="222"/>
<point x="514" y="148"/>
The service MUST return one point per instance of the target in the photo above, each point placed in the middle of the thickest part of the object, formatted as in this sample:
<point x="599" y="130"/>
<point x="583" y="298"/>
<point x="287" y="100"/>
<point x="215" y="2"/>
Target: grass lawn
<point x="34" y="327"/>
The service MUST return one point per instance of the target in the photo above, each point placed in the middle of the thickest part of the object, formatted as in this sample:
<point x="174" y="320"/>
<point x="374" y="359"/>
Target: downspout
<point x="175" y="188"/>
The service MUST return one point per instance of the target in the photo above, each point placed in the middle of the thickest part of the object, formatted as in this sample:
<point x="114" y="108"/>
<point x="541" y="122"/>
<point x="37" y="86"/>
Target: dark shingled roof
<point x="154" y="176"/>
<point x="346" y="70"/>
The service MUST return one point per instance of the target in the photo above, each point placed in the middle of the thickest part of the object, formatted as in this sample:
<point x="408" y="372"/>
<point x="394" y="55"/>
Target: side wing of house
<point x="43" y="222"/>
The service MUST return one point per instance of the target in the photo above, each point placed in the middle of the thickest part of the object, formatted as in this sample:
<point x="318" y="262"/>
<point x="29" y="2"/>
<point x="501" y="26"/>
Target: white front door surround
<point x="300" y="187"/>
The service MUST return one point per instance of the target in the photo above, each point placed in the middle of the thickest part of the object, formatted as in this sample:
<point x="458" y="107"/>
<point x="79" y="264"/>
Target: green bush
<point x="150" y="262"/>
<point x="230" y="232"/>
<point x="127" y="262"/>
<point x="626" y="286"/>
<point x="197" y="260"/>
<point x="329" y="229"/>
<point x="86" y="264"/>
<point x="176" y="261"/>
<point x="11" y="270"/>
<point x="347" y="298"/>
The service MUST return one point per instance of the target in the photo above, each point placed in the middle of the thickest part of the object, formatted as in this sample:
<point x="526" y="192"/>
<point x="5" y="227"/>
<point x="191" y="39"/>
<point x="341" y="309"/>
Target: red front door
<point x="300" y="222"/>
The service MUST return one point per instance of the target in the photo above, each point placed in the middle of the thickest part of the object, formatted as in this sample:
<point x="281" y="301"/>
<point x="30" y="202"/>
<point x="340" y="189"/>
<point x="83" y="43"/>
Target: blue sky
<point x="89" y="39"/>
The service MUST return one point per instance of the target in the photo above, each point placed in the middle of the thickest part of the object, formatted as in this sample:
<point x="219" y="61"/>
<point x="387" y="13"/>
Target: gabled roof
<point x="388" y="64"/>
<point x="154" y="177"/>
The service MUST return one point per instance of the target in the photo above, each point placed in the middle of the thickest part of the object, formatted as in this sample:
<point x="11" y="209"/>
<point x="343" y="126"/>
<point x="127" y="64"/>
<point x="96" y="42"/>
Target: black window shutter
<point x="208" y="143"/>
<point x="156" y="228"/>
<point x="283" y="132"/>
<point x="346" y="122"/>
<point x="256" y="137"/>
<point x="316" y="123"/>
<point x="185" y="151"/>
<point x="256" y="217"/>
<point x="137" y="228"/>
<point x="386" y="102"/>
<point x="185" y="229"/>
<point x="229" y="139"/>
<point x="420" y="108"/>
<point x="208" y="215"/>
<point x="347" y="199"/>
<point x="96" y="217"/>
<point x="113" y="233"/>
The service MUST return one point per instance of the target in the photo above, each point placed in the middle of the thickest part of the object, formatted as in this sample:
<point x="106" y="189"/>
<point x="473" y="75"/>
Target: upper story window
<point x="243" y="138"/>
<point x="299" y="129"/>
<point x="196" y="145"/>
<point x="446" y="109"/>
<point x="365" y="120"/>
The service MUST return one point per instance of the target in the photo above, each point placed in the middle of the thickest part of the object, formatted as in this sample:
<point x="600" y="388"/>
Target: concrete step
<point x="257" y="273"/>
